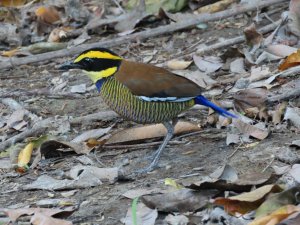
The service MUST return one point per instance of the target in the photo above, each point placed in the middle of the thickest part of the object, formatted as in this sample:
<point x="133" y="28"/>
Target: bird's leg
<point x="170" y="132"/>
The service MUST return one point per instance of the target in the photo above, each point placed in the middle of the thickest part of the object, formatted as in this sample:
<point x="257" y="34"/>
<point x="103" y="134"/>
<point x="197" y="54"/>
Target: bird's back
<point x="119" y="98"/>
<point x="152" y="81"/>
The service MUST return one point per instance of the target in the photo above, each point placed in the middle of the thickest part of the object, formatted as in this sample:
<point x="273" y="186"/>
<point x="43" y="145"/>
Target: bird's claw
<point x="145" y="170"/>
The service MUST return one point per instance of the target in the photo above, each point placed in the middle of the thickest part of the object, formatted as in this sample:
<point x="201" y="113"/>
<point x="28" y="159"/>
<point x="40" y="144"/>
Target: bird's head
<point x="98" y="63"/>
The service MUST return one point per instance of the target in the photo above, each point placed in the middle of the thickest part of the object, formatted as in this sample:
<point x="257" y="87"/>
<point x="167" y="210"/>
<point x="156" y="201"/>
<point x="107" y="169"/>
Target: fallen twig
<point x="105" y="116"/>
<point x="293" y="71"/>
<point x="34" y="131"/>
<point x="285" y="96"/>
<point x="42" y="125"/>
<point x="290" y="72"/>
<point x="236" y="40"/>
<point x="12" y="62"/>
<point x="42" y="92"/>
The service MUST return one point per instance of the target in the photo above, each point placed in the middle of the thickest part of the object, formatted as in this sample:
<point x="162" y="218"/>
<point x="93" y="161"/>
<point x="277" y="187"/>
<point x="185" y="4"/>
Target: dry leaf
<point x="207" y="64"/>
<point x="176" y="220"/>
<point x="150" y="131"/>
<point x="200" y="78"/>
<point x="244" y="183"/>
<point x="134" y="193"/>
<point x="246" y="202"/>
<point x="280" y="50"/>
<point x="253" y="37"/>
<point x="176" y="17"/>
<point x="153" y="6"/>
<point x="250" y="98"/>
<point x="16" y="119"/>
<point x="259" y="73"/>
<point x="232" y="139"/>
<point x="295" y="172"/>
<point x="274" y="202"/>
<point x="293" y="219"/>
<point x="44" y="182"/>
<point x="215" y="7"/>
<point x="294" y="18"/>
<point x="79" y="88"/>
<point x="251" y="130"/>
<point x="25" y="155"/>
<point x="278" y="114"/>
<point x="80" y="39"/>
<point x="296" y="143"/>
<point x="266" y="56"/>
<point x="10" y="34"/>
<point x="291" y="61"/>
<point x="43" y="47"/>
<point x="128" y="21"/>
<point x="10" y="53"/>
<point x="39" y="218"/>
<point x="104" y="174"/>
<point x="276" y="216"/>
<point x="12" y="3"/>
<point x="293" y="115"/>
<point x="54" y="148"/>
<point x="237" y="66"/>
<point x="78" y="12"/>
<point x="58" y="34"/>
<point x="171" y="182"/>
<point x="281" y="170"/>
<point x="47" y="14"/>
<point x="225" y="172"/>
<point x="14" y="214"/>
<point x="178" y="64"/>
<point x="184" y="200"/>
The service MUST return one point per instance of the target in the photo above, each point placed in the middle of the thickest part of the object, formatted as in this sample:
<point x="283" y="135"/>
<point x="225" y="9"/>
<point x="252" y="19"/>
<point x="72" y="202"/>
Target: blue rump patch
<point x="201" y="100"/>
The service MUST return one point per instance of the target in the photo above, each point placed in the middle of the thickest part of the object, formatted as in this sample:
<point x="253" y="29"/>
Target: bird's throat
<point x="98" y="75"/>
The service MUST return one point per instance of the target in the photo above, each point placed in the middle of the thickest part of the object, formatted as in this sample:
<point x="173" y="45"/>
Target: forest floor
<point x="187" y="159"/>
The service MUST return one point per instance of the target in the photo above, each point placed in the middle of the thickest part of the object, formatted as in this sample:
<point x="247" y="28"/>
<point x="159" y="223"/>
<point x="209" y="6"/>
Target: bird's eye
<point x="86" y="61"/>
<point x="89" y="60"/>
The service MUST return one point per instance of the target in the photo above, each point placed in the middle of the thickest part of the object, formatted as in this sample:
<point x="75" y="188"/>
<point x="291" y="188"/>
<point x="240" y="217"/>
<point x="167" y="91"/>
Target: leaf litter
<point x="77" y="155"/>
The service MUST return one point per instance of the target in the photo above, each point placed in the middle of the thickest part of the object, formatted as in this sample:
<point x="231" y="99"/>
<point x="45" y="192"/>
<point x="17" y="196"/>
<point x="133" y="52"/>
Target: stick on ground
<point x="242" y="8"/>
<point x="41" y="126"/>
<point x="236" y="40"/>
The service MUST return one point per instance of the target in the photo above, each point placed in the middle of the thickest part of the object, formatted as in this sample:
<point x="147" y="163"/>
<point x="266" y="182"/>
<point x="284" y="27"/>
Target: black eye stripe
<point x="97" y="64"/>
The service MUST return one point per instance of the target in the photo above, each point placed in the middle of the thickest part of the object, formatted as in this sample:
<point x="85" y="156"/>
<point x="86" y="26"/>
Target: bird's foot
<point x="151" y="156"/>
<point x="147" y="169"/>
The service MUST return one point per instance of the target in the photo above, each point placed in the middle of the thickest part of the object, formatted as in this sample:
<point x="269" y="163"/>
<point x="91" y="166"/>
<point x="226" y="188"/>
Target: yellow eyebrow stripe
<point x="96" y="54"/>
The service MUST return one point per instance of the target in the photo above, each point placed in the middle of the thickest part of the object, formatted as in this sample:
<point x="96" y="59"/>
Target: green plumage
<point x="119" y="98"/>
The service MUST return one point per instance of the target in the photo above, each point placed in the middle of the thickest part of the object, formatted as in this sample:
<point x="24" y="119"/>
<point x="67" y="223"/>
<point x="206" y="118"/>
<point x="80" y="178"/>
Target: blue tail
<point x="201" y="100"/>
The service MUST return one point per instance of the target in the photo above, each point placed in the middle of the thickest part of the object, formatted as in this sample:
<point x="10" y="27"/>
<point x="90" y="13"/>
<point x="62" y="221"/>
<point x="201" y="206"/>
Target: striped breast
<point x="120" y="99"/>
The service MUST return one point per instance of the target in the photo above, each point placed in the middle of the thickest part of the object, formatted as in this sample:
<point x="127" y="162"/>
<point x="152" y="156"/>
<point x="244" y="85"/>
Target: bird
<point x="141" y="92"/>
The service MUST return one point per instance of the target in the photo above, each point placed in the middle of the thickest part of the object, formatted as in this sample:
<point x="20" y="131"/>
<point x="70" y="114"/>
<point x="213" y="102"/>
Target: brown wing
<point x="151" y="81"/>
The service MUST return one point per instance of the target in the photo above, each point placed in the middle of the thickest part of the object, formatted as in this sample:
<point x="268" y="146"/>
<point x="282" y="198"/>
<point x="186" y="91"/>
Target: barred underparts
<point x="120" y="99"/>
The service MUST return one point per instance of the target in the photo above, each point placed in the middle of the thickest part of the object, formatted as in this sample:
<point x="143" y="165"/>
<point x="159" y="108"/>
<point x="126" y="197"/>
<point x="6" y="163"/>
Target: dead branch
<point x="290" y="72"/>
<point x="41" y="126"/>
<point x="43" y="92"/>
<point x="34" y="131"/>
<point x="236" y="40"/>
<point x="285" y="96"/>
<point x="294" y="71"/>
<point x="96" y="22"/>
<point x="105" y="116"/>
<point x="242" y="8"/>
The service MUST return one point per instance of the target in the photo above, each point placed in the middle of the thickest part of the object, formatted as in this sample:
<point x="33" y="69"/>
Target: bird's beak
<point x="70" y="65"/>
